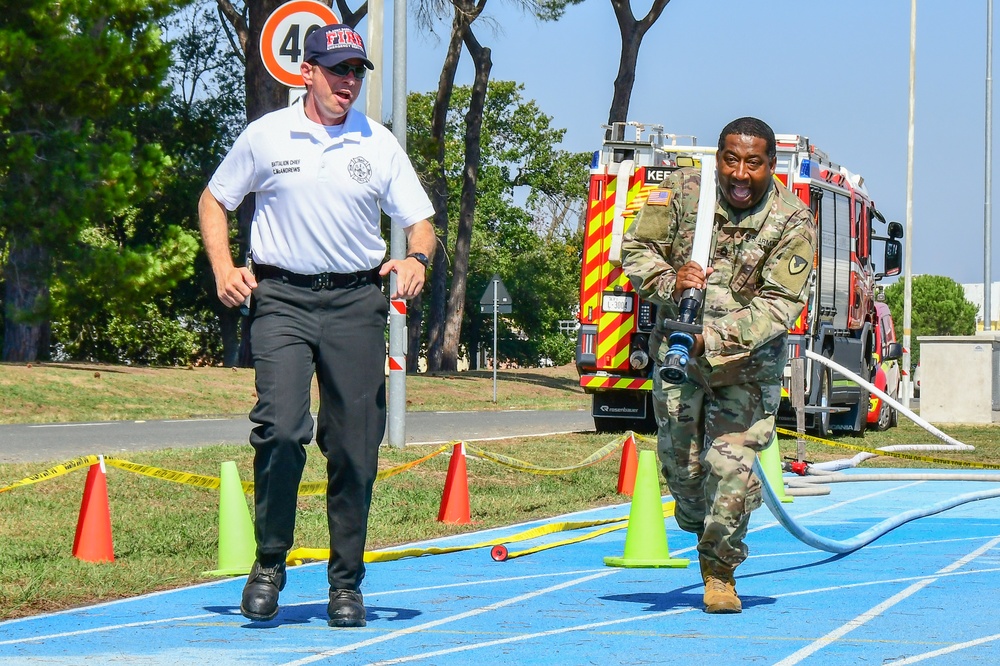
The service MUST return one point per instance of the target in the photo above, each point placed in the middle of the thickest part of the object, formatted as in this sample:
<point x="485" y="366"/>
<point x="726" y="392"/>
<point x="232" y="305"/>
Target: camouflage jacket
<point x="762" y="260"/>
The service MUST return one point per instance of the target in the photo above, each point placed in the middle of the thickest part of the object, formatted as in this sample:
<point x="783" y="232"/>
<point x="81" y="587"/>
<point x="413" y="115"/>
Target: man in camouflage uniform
<point x="712" y="426"/>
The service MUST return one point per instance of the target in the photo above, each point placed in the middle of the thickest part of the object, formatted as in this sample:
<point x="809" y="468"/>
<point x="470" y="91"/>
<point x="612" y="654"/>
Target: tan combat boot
<point x="720" y="588"/>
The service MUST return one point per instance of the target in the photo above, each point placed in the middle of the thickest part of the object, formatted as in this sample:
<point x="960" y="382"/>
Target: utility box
<point x="960" y="378"/>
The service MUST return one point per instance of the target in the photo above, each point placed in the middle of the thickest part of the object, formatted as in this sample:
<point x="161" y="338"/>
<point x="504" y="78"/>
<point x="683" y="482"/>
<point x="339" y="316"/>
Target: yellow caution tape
<point x="668" y="510"/>
<point x="185" y="478"/>
<point x="53" y="472"/>
<point x="188" y="478"/>
<point x="386" y="473"/>
<point x="319" y="487"/>
<point x="892" y="454"/>
<point x="522" y="466"/>
<point x="308" y="488"/>
<point x="302" y="555"/>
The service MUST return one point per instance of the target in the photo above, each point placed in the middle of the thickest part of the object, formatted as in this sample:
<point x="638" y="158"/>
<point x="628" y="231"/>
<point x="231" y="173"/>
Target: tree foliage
<point x="522" y="175"/>
<point x="939" y="307"/>
<point x="75" y="74"/>
<point x="447" y="311"/>
<point x="144" y="295"/>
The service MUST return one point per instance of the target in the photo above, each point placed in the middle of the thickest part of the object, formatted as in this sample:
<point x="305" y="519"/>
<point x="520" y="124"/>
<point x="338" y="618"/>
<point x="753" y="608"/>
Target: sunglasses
<point x="342" y="69"/>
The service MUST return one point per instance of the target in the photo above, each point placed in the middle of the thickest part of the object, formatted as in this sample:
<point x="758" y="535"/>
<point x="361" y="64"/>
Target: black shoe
<point x="346" y="609"/>
<point x="260" y="594"/>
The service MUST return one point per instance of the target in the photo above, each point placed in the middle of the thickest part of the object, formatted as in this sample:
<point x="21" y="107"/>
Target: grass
<point x="63" y="392"/>
<point x="165" y="534"/>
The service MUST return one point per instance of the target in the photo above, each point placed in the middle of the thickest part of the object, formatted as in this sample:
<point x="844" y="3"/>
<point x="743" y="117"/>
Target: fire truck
<point x="838" y="322"/>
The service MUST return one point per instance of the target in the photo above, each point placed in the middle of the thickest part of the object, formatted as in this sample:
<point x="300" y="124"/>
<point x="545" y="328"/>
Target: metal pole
<point x="988" y="206"/>
<point x="495" y="308"/>
<point x="798" y="394"/>
<point x="376" y="36"/>
<point x="397" y="239"/>
<point x="908" y="242"/>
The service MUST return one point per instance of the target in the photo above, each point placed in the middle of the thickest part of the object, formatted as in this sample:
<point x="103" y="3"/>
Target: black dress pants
<point x="338" y="334"/>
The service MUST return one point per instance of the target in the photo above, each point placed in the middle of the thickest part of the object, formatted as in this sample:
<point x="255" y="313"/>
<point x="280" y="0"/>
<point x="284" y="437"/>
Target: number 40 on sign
<point x="282" y="39"/>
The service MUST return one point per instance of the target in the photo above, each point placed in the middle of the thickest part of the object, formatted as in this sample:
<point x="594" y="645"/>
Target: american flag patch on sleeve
<point x="660" y="197"/>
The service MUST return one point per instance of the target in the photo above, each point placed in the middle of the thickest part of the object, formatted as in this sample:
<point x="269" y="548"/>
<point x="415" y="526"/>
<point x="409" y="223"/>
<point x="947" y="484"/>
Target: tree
<point x="539" y="260"/>
<point x="135" y="297"/>
<point x="632" y="32"/>
<point x="448" y="305"/>
<point x="72" y="74"/>
<point x="196" y="126"/>
<point x="939" y="308"/>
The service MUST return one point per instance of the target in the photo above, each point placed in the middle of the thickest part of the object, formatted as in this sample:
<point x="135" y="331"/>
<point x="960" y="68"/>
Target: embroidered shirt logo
<point x="360" y="170"/>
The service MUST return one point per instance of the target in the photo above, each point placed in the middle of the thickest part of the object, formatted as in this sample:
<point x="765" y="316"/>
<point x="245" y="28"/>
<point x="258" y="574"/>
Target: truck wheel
<point x="861" y="421"/>
<point x="886" y="418"/>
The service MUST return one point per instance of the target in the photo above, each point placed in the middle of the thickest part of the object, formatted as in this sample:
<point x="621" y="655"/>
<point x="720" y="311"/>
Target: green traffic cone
<point x="237" y="547"/>
<point x="770" y="462"/>
<point x="646" y="538"/>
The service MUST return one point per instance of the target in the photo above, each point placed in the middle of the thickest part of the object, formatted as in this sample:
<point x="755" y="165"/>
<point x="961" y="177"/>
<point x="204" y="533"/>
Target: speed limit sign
<point x="283" y="37"/>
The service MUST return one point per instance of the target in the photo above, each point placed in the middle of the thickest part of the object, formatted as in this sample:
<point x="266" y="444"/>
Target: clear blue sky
<point x="834" y="71"/>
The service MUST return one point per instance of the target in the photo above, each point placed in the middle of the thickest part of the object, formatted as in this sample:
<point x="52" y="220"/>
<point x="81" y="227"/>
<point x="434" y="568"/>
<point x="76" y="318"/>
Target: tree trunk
<point x="230" y="323"/>
<point x="467" y="214"/>
<point x="632" y="32"/>
<point x="25" y="298"/>
<point x="439" y="191"/>
<point x="263" y="95"/>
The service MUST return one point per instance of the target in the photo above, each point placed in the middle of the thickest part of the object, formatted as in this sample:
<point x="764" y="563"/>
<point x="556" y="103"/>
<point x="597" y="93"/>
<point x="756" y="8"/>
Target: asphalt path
<point x="57" y="442"/>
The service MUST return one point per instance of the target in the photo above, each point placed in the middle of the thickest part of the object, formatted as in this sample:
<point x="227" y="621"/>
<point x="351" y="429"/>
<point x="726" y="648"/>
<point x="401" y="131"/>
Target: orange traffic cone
<point x="455" y="499"/>
<point x="626" y="472"/>
<point x="93" y="529"/>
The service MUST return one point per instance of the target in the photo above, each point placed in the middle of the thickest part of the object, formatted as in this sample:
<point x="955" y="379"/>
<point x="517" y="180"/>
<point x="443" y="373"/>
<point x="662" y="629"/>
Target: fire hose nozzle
<point x="675" y="363"/>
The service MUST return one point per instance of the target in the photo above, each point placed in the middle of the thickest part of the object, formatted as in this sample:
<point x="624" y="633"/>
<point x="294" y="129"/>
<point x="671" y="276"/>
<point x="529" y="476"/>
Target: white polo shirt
<point x="320" y="190"/>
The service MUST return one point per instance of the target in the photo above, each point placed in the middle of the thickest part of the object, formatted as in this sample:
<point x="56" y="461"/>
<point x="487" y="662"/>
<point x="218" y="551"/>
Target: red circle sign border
<point x="318" y="9"/>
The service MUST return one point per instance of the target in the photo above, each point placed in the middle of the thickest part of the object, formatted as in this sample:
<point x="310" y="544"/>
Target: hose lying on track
<point x="871" y="534"/>
<point x="951" y="444"/>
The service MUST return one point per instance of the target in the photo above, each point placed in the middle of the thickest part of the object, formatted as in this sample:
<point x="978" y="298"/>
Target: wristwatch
<point x="421" y="257"/>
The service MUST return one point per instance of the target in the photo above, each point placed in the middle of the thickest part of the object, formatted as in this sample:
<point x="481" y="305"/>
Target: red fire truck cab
<point x="838" y="322"/>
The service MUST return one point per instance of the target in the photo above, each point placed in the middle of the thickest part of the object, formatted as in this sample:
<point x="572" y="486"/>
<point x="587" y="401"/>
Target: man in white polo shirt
<point x="322" y="174"/>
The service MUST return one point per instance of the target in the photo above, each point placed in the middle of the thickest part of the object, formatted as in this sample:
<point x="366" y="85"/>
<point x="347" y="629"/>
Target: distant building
<point x="974" y="294"/>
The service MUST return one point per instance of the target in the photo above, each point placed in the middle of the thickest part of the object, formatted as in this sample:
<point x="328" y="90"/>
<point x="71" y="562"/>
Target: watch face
<point x="421" y="257"/>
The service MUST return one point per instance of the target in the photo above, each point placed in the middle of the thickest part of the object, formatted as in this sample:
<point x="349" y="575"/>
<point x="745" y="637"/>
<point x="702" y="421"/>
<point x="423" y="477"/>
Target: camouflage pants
<point x="707" y="441"/>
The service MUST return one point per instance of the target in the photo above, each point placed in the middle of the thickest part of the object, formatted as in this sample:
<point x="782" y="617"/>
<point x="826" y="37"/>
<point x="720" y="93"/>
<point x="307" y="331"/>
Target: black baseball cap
<point x="335" y="43"/>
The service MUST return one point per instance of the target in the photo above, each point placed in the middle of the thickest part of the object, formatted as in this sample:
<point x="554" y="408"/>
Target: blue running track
<point x="925" y="593"/>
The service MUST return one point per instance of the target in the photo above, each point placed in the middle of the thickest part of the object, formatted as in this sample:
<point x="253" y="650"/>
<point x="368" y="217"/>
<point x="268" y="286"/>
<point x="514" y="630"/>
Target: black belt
<point x="320" y="280"/>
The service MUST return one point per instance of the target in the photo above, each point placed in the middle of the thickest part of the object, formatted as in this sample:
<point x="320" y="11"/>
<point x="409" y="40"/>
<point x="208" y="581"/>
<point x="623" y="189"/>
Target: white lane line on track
<point x="526" y="637"/>
<point x="639" y="618"/>
<point x="887" y="581"/>
<point x="445" y="620"/>
<point x="185" y="618"/>
<point x="874" y="612"/>
<point x="873" y="546"/>
<point x="445" y="586"/>
<point x="94" y="630"/>
<point x="943" y="651"/>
